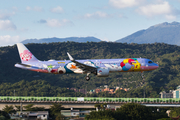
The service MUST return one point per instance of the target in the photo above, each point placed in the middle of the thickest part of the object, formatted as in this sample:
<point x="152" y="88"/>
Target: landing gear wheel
<point x="87" y="78"/>
<point x="142" y="75"/>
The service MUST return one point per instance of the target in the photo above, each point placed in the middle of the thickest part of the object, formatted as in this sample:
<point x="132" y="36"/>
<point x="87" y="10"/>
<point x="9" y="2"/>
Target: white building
<point x="176" y="93"/>
<point x="42" y="115"/>
<point x="167" y="95"/>
<point x="31" y="115"/>
<point x="171" y="94"/>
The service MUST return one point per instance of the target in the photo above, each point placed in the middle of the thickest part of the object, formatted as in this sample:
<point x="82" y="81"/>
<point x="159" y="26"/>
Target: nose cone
<point x="156" y="66"/>
<point x="149" y="67"/>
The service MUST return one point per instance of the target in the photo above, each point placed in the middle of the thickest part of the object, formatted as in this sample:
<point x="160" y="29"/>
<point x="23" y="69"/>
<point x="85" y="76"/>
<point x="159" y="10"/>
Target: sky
<point x="108" y="20"/>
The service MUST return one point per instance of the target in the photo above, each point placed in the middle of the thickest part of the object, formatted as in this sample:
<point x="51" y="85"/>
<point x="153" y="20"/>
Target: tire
<point x="87" y="78"/>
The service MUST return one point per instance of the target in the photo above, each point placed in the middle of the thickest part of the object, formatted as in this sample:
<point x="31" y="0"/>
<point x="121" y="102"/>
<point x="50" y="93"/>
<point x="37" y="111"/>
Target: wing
<point x="83" y="67"/>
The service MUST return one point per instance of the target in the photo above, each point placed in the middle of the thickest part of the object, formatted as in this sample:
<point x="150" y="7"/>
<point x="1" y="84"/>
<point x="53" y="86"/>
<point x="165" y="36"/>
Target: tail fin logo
<point x="26" y="55"/>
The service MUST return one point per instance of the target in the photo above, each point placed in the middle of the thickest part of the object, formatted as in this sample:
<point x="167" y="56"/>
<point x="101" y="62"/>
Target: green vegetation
<point x="55" y="111"/>
<point x="28" y="83"/>
<point x="4" y="115"/>
<point x="175" y="112"/>
<point x="9" y="109"/>
<point x="130" y="111"/>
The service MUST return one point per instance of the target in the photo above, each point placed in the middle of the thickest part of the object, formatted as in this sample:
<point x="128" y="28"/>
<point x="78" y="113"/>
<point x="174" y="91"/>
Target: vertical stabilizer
<point x="25" y="54"/>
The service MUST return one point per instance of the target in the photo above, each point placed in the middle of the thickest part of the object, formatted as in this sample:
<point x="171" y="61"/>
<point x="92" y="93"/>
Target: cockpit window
<point x="150" y="62"/>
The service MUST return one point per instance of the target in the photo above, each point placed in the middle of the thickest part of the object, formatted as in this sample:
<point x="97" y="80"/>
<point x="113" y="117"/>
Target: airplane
<point x="98" y="67"/>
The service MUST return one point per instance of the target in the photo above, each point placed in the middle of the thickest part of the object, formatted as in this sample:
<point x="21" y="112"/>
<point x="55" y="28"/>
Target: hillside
<point x="54" y="39"/>
<point x="28" y="83"/>
<point x="161" y="33"/>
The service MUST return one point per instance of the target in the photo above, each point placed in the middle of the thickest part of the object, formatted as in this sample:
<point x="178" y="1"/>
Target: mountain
<point x="54" y="39"/>
<point x="161" y="33"/>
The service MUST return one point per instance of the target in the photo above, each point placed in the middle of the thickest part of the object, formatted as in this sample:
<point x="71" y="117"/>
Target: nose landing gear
<point x="87" y="77"/>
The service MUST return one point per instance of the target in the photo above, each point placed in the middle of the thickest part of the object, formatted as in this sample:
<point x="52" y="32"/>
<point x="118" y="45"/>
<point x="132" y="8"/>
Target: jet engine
<point x="61" y="70"/>
<point x="102" y="72"/>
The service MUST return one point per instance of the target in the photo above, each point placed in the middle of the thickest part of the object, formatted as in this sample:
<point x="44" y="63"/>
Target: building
<point x="42" y="115"/>
<point x="167" y="95"/>
<point x="171" y="94"/>
<point x="31" y="115"/>
<point x="106" y="89"/>
<point x="98" y="90"/>
<point x="176" y="93"/>
<point x="111" y="91"/>
<point x="74" y="113"/>
<point x="82" y="91"/>
<point x="75" y="89"/>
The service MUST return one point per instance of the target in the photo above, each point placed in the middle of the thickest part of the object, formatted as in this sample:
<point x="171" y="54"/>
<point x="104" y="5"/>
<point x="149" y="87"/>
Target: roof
<point x="36" y="113"/>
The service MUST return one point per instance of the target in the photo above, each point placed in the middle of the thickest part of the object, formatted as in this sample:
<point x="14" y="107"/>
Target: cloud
<point x="57" y="9"/>
<point x="9" y="40"/>
<point x="37" y="9"/>
<point x="55" y="22"/>
<point x="28" y="8"/>
<point x="170" y="17"/>
<point x="124" y="3"/>
<point x="6" y="15"/>
<point x="42" y="21"/>
<point x="97" y="14"/>
<point x="155" y="9"/>
<point x="7" y="25"/>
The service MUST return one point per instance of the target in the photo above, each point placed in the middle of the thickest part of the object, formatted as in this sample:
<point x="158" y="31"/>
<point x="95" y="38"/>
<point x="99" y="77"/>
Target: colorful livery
<point x="98" y="67"/>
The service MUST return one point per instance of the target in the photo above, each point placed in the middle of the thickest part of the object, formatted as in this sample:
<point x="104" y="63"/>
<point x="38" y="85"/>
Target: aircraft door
<point x="143" y="64"/>
<point x="97" y="63"/>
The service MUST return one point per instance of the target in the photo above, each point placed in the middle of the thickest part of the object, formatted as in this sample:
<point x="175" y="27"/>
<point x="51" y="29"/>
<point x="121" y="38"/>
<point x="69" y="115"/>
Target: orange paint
<point x="73" y="67"/>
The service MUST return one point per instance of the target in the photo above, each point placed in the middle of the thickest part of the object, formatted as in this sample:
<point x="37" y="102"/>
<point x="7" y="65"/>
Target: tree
<point x="97" y="106"/>
<point x="129" y="111"/>
<point x="175" y="112"/>
<point x="56" y="108"/>
<point x="9" y="109"/>
<point x="3" y="115"/>
<point x="18" y="108"/>
<point x="102" y="115"/>
<point x="60" y="117"/>
<point x="134" y="111"/>
<point x="29" y="107"/>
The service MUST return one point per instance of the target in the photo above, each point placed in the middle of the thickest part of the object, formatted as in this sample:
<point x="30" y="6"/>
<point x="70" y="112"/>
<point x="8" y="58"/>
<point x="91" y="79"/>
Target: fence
<point x="89" y="99"/>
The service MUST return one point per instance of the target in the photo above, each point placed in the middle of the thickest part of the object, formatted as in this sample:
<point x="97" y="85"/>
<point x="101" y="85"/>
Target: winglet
<point x="70" y="57"/>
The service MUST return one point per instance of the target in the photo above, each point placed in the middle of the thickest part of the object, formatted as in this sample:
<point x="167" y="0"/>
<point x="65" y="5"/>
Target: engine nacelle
<point x="61" y="70"/>
<point x="102" y="72"/>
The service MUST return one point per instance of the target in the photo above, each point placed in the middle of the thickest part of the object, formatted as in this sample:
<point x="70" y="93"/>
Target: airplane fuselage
<point x="99" y="67"/>
<point x="114" y="65"/>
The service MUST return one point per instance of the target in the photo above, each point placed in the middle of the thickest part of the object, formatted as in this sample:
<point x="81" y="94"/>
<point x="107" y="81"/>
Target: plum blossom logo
<point x="26" y="55"/>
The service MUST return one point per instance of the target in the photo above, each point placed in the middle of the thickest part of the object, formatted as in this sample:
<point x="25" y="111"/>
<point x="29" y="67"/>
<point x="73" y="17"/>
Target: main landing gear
<point x="143" y="80"/>
<point x="142" y="75"/>
<point x="87" y="77"/>
<point x="143" y="83"/>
